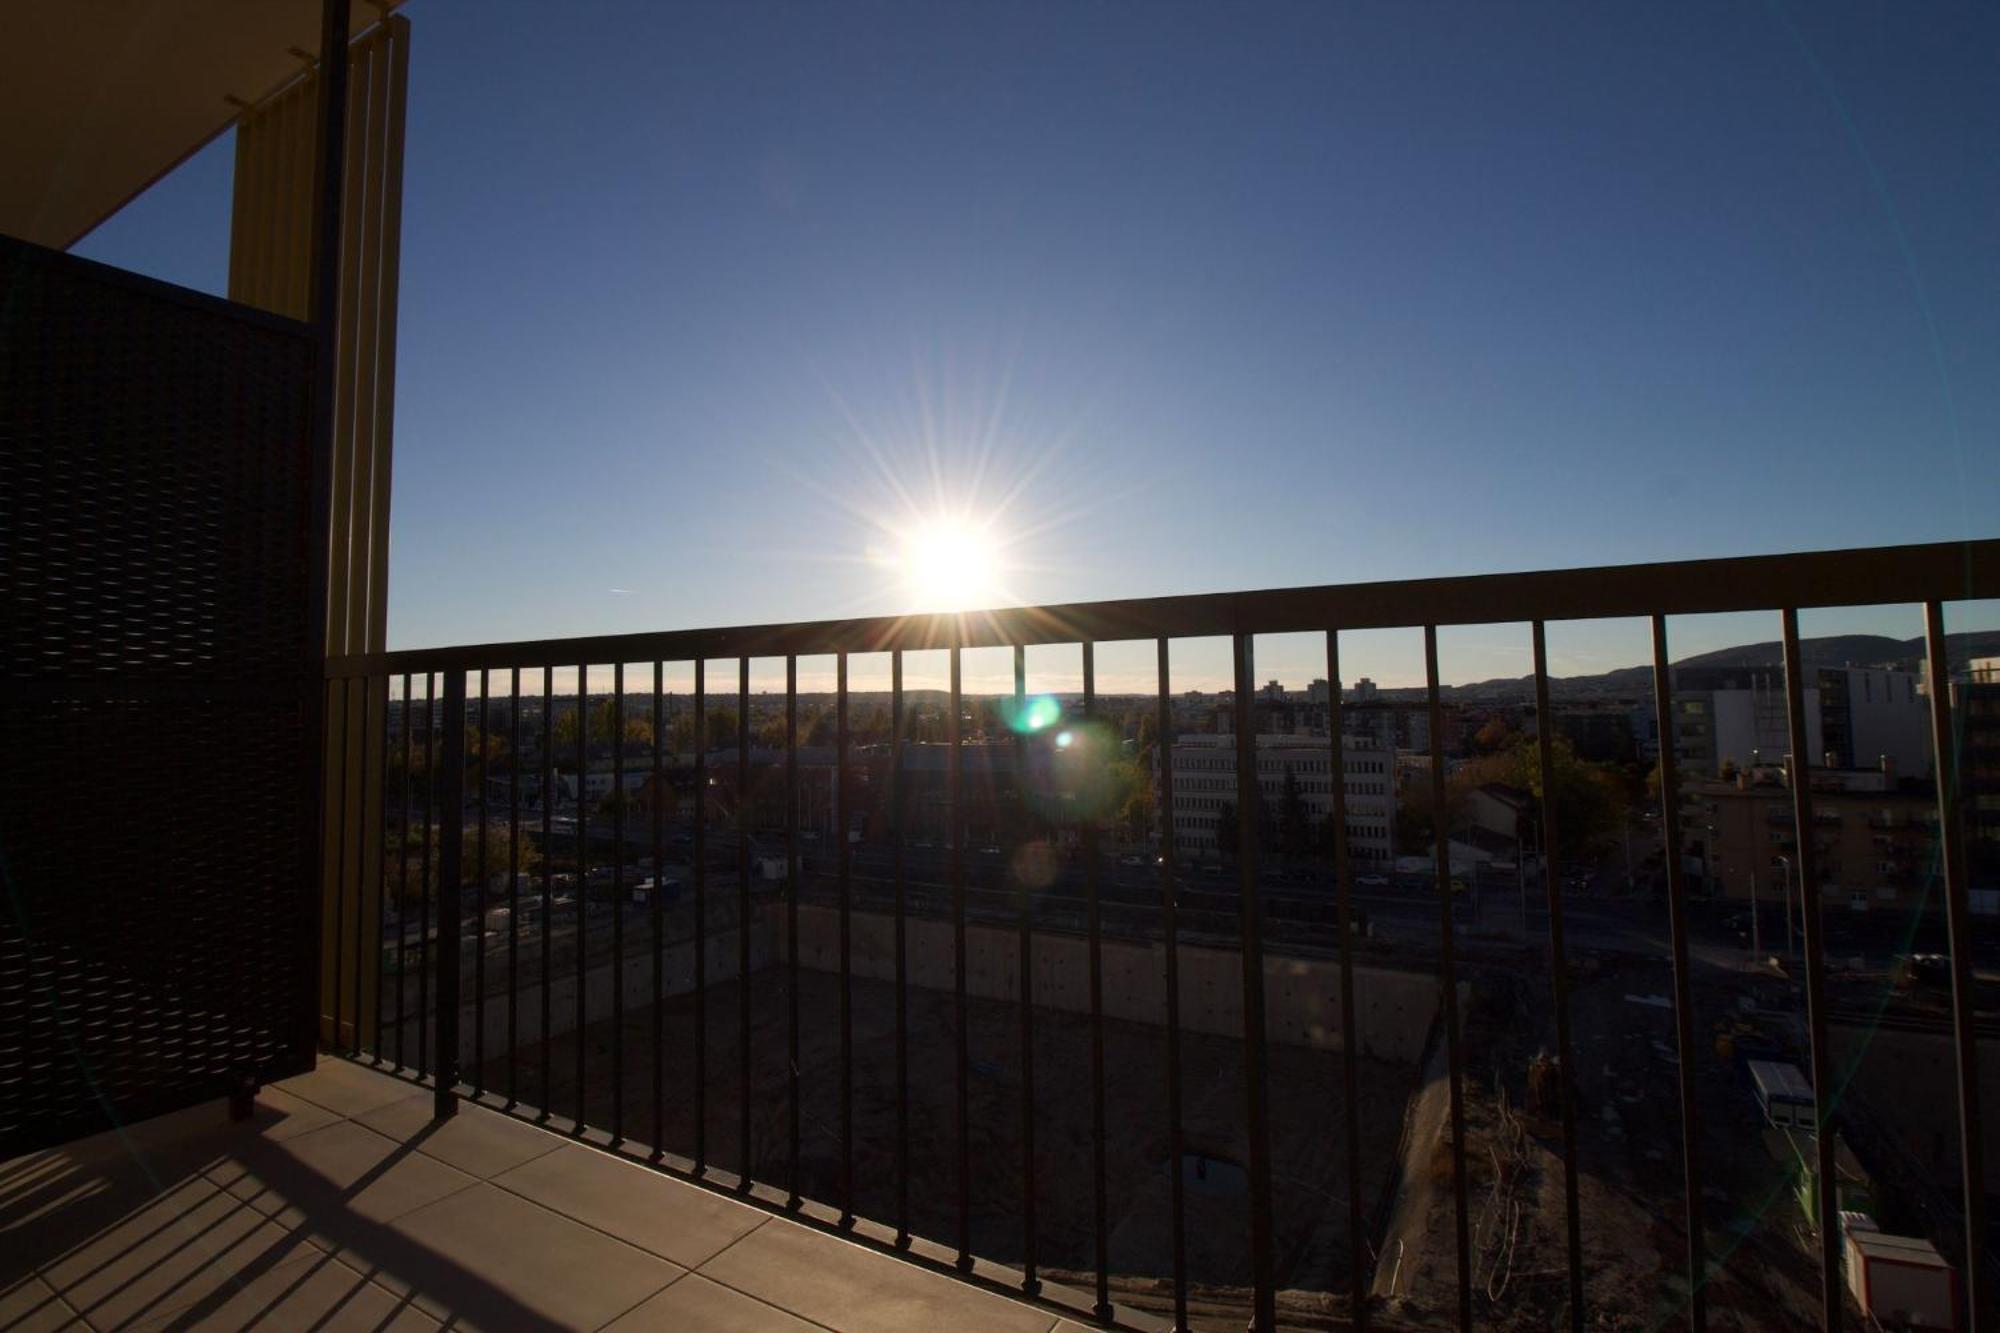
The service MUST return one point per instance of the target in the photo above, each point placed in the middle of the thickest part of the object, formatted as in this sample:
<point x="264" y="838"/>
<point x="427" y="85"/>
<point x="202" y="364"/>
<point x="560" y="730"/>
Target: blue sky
<point x="702" y="303"/>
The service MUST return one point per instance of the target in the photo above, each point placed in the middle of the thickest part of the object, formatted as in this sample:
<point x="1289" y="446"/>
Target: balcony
<point x="893" y="1028"/>
<point x="831" y="1030"/>
<point x="341" y="1201"/>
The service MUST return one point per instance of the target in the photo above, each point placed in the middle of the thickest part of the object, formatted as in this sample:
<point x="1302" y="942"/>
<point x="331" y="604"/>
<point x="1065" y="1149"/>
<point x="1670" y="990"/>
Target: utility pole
<point x="1756" y="934"/>
<point x="1786" y="885"/>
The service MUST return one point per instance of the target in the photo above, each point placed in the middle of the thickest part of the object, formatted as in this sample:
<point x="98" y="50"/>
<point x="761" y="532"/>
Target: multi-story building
<point x="1856" y="718"/>
<point x="1873" y="838"/>
<point x="1977" y="704"/>
<point x="1872" y="714"/>
<point x="1204" y="774"/>
<point x="1736" y="716"/>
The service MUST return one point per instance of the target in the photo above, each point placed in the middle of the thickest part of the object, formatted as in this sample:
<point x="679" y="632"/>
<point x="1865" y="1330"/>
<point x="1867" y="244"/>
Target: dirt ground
<point x="1631" y="1184"/>
<point x="1309" y="1167"/>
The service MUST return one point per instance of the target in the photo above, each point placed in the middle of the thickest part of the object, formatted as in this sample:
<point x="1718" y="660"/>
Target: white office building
<point x="1204" y="776"/>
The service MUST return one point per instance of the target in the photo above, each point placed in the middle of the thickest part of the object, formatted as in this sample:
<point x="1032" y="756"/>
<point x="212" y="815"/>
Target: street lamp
<point x="1785" y="885"/>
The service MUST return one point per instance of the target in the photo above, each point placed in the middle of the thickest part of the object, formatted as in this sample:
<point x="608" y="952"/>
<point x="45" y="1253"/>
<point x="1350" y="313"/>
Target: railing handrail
<point x="1862" y="576"/>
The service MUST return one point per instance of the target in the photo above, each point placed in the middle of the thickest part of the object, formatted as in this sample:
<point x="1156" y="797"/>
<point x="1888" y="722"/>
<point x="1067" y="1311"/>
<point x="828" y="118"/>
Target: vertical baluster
<point x="700" y="916"/>
<point x="514" y="887"/>
<point x="1670" y="832"/>
<point x="451" y="850"/>
<point x="364" y="803"/>
<point x="897" y="806"/>
<point x="380" y="807"/>
<point x="479" y="902"/>
<point x="743" y="920"/>
<point x="843" y="821"/>
<point x="1093" y="911"/>
<point x="1559" y="977"/>
<point x="1828" y="1191"/>
<point x="657" y="910"/>
<point x="433" y="830"/>
<point x="1024" y="911"/>
<point x="1350" y="1073"/>
<point x="1170" y="924"/>
<point x="1958" y="918"/>
<point x="618" y="902"/>
<point x="581" y="898"/>
<point x="340" y="717"/>
<point x="956" y="842"/>
<point x="792" y="1199"/>
<point x="1448" y="981"/>
<point x="548" y="766"/>
<point x="403" y="890"/>
<point x="1255" y="1093"/>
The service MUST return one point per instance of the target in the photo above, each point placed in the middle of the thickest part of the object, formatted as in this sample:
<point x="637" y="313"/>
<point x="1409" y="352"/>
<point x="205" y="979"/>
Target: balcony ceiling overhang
<point x="100" y="98"/>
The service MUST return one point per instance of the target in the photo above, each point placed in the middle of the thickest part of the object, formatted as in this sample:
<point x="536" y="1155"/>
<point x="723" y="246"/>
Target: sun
<point x="950" y="564"/>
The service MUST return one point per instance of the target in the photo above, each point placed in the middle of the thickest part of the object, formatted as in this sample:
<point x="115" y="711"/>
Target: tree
<point x="721" y="727"/>
<point x="772" y="732"/>
<point x="1148" y="737"/>
<point x="1590" y="798"/>
<point x="1495" y="735"/>
<point x="1294" y="827"/>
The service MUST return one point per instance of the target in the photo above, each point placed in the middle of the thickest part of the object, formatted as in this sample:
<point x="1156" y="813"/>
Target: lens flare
<point x="1035" y="713"/>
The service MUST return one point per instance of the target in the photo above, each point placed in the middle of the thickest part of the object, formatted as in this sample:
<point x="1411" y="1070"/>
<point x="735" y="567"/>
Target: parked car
<point x="1372" y="881"/>
<point x="1131" y="860"/>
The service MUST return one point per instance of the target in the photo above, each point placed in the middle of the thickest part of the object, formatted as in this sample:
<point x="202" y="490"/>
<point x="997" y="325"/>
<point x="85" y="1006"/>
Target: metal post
<point x="1264" y="1314"/>
<point x="1756" y="930"/>
<point x="1827" y="1193"/>
<point x="1670" y="833"/>
<point x="451" y="834"/>
<point x="1170" y="930"/>
<point x="1448" y="982"/>
<point x="1958" y="921"/>
<point x="331" y="136"/>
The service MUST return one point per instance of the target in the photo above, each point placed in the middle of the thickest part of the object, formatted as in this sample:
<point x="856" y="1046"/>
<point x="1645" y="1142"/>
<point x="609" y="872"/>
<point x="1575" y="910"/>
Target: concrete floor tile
<point x="312" y="1291"/>
<point x="845" y="1287"/>
<point x="497" y="1260"/>
<point x="696" y="1303"/>
<point x="170" y="1254"/>
<point x="671" y="1218"/>
<point x="32" y="1306"/>
<point x="350" y="1089"/>
<point x="335" y="1179"/>
<point x="477" y="1141"/>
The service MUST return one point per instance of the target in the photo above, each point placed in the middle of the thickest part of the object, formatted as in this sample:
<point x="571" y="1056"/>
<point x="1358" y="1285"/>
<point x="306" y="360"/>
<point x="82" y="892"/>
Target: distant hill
<point x="1875" y="650"/>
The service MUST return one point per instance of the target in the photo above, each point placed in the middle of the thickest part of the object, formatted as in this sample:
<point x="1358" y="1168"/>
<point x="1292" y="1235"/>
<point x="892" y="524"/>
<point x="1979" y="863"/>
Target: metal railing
<point x="435" y="686"/>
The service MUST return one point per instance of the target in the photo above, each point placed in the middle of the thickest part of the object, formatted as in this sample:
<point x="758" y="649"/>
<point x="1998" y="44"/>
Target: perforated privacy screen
<point x="154" y="493"/>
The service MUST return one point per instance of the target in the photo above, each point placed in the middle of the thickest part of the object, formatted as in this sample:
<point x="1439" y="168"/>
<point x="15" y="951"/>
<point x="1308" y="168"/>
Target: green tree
<point x="772" y="732"/>
<point x="1294" y="826"/>
<point x="1147" y="737"/>
<point x="1590" y="798"/>
<point x="721" y="727"/>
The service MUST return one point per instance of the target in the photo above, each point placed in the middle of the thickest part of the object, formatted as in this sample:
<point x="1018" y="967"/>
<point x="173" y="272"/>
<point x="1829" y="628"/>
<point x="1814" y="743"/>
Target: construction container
<point x="1900" y="1281"/>
<point x="1782" y="1094"/>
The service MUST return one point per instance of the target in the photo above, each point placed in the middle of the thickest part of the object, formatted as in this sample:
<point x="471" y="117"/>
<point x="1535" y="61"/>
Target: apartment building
<point x="1204" y="782"/>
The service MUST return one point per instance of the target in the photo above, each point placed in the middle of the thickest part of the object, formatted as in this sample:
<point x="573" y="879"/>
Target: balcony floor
<point x="343" y="1205"/>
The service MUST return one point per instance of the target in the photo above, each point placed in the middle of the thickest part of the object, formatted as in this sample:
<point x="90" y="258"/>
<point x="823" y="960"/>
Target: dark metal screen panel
<point x="154" y="482"/>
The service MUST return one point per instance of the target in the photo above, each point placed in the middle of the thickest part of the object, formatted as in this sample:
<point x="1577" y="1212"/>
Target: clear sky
<point x="706" y="306"/>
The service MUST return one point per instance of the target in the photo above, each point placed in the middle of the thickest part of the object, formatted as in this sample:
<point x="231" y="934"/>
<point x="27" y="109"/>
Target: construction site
<point x="1761" y="1252"/>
